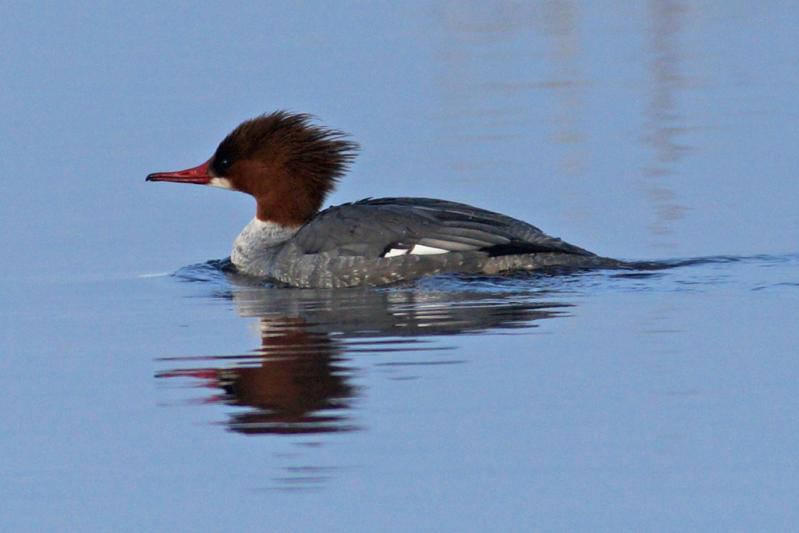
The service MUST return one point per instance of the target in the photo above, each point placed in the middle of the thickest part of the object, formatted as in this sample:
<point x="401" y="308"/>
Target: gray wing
<point x="372" y="227"/>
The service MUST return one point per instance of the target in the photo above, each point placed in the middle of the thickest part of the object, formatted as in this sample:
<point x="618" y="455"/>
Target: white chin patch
<point x="220" y="183"/>
<point x="418" y="249"/>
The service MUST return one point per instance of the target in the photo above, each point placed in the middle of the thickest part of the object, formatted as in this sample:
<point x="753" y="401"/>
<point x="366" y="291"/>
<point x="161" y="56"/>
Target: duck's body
<point x="381" y="241"/>
<point x="290" y="165"/>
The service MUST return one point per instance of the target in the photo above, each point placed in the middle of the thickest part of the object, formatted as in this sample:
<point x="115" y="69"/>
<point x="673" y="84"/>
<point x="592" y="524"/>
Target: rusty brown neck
<point x="285" y="209"/>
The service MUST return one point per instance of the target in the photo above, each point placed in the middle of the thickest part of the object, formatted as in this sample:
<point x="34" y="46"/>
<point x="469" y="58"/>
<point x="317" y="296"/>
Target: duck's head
<point x="284" y="160"/>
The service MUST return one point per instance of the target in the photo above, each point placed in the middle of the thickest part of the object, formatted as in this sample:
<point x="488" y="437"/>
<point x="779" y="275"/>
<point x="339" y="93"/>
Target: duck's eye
<point x="222" y="164"/>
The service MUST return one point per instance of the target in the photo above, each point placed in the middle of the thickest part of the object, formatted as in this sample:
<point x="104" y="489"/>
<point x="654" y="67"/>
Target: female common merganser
<point x="289" y="164"/>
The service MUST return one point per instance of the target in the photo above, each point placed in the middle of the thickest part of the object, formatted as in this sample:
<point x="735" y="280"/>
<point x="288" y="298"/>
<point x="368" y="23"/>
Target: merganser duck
<point x="289" y="164"/>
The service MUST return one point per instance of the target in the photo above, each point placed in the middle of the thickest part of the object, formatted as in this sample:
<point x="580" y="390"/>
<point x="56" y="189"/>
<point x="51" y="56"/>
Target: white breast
<point x="253" y="244"/>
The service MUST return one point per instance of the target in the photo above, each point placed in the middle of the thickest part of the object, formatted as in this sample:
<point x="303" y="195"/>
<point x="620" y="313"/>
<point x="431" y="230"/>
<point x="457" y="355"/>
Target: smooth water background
<point x="135" y="400"/>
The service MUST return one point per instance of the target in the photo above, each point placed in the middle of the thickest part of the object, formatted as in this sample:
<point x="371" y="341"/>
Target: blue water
<point x="147" y="389"/>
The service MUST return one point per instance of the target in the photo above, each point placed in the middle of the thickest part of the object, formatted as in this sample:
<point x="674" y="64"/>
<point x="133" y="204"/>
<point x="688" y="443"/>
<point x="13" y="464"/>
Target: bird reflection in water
<point x="292" y="383"/>
<point x="299" y="380"/>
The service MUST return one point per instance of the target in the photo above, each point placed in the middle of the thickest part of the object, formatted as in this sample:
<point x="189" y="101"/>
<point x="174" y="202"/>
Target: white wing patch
<point x="394" y="252"/>
<point x="419" y="249"/>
